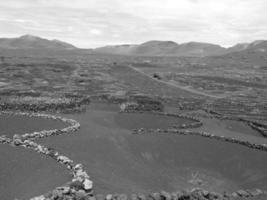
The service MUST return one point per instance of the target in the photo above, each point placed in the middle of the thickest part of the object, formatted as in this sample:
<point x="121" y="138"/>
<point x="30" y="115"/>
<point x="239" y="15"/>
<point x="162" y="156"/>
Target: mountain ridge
<point x="33" y="42"/>
<point x="190" y="49"/>
<point x="149" y="48"/>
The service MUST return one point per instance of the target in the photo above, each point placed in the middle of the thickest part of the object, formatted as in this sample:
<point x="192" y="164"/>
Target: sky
<point x="94" y="23"/>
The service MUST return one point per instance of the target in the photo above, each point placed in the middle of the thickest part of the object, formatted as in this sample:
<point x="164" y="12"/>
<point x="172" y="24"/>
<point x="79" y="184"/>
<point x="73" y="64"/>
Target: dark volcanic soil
<point x="24" y="173"/>
<point x="136" y="120"/>
<point x="120" y="162"/>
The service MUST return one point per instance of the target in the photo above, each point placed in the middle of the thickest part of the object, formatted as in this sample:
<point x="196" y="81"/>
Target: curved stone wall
<point x="80" y="182"/>
<point x="261" y="128"/>
<point x="195" y="124"/>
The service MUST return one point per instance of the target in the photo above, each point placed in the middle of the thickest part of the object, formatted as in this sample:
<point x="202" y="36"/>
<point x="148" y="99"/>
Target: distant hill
<point x="255" y="50"/>
<point x="198" y="49"/>
<point x="191" y="49"/>
<point x="254" y="53"/>
<point x="156" y="48"/>
<point x="33" y="42"/>
<point x="238" y="47"/>
<point x="247" y="55"/>
<point x="164" y="48"/>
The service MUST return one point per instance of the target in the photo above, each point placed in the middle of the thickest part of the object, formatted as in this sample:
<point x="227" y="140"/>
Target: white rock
<point x="88" y="185"/>
<point x="38" y="198"/>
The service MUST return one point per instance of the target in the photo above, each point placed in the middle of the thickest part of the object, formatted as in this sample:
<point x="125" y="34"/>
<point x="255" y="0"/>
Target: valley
<point x="143" y="124"/>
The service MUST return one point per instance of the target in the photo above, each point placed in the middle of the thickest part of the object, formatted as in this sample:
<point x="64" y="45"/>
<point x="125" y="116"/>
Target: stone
<point x="109" y="197"/>
<point x="87" y="184"/>
<point x="81" y="173"/>
<point x="42" y="197"/>
<point x="78" y="166"/>
<point x="242" y="193"/>
<point x="80" y="195"/>
<point x="234" y="194"/>
<point x="56" y="194"/>
<point x="256" y="192"/>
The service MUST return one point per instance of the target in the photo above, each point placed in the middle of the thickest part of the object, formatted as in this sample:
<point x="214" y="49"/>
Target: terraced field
<point x="117" y="160"/>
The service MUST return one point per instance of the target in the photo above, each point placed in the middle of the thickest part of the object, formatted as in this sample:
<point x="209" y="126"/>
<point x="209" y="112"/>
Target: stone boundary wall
<point x="80" y="183"/>
<point x="195" y="124"/>
<point x="74" y="105"/>
<point x="194" y="194"/>
<point x="74" y="126"/>
<point x="261" y="128"/>
<point x="262" y="147"/>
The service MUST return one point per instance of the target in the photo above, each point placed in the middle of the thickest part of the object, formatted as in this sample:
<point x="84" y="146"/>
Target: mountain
<point x="198" y="49"/>
<point x="33" y="42"/>
<point x="150" y="48"/>
<point x="156" y="48"/>
<point x="256" y="47"/>
<point x="238" y="47"/>
<point x="252" y="54"/>
<point x="164" y="48"/>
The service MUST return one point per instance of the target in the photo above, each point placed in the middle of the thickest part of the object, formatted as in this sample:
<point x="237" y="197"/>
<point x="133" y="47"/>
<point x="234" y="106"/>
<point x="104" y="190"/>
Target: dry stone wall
<point x="80" y="182"/>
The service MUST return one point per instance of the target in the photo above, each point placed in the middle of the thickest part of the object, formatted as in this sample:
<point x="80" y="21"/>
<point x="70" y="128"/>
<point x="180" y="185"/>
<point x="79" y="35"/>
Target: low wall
<point x="80" y="182"/>
<point x="72" y="105"/>
<point x="261" y="128"/>
<point x="197" y="123"/>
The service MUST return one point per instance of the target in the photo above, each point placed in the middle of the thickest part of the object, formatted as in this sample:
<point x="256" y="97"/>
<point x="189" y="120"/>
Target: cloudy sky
<point x="93" y="23"/>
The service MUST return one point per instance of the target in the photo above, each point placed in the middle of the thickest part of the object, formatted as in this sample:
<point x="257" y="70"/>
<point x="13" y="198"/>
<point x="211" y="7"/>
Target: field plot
<point x="135" y="80"/>
<point x="121" y="162"/>
<point x="24" y="173"/>
<point x="239" y="89"/>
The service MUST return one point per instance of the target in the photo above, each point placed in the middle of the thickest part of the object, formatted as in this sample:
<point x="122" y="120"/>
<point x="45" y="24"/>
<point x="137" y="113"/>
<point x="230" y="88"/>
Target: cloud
<point x="95" y="32"/>
<point x="100" y="22"/>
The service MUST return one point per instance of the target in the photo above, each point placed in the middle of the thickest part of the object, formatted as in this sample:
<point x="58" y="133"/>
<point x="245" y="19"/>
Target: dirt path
<point x="176" y="85"/>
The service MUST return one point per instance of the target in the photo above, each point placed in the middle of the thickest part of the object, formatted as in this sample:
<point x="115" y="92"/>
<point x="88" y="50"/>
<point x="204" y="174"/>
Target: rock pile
<point x="58" y="105"/>
<point x="69" y="193"/>
<point x="5" y="140"/>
